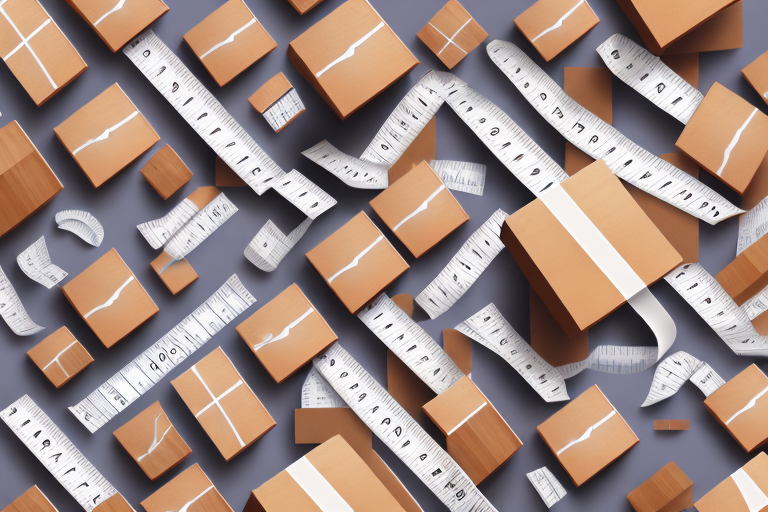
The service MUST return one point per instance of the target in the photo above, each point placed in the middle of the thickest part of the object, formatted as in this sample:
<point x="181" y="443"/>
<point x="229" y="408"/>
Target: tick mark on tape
<point x="734" y="141"/>
<point x="351" y="50"/>
<point x="559" y="22"/>
<point x="230" y="39"/>
<point x="111" y="300"/>
<point x="105" y="134"/>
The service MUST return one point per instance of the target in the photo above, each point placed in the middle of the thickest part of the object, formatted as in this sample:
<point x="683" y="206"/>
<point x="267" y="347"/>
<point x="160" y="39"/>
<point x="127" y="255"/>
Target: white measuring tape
<point x="200" y="227"/>
<point x="36" y="263"/>
<point x="270" y="245"/>
<point x="461" y="176"/>
<point x="12" y="310"/>
<point x="316" y="393"/>
<point x="753" y="225"/>
<point x="82" y="224"/>
<point x="675" y="370"/>
<point x="146" y="370"/>
<point x="549" y="488"/>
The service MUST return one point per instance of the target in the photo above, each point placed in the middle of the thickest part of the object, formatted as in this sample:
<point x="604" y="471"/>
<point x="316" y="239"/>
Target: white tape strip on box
<point x="317" y="487"/>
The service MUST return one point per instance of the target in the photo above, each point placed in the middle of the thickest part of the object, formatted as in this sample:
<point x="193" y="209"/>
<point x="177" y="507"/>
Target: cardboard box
<point x="452" y="33"/>
<point x="747" y="274"/>
<point x="756" y="74"/>
<point x="685" y="64"/>
<point x="668" y="490"/>
<point x="166" y="172"/>
<point x="26" y="180"/>
<point x="758" y="187"/>
<point x="609" y="438"/>
<point x="551" y="26"/>
<point x="33" y="500"/>
<point x="152" y="442"/>
<point x="565" y="277"/>
<point x="116" y="23"/>
<point x="423" y="147"/>
<point x="229" y="41"/>
<point x="350" y="56"/>
<point x="225" y="176"/>
<point x="419" y="209"/>
<point x="592" y="89"/>
<point x="478" y="438"/>
<point x="109" y="297"/>
<point x="663" y="22"/>
<point x="723" y="31"/>
<point x="190" y="490"/>
<point x="333" y="464"/>
<point x="665" y="425"/>
<point x="115" y="503"/>
<point x="357" y="262"/>
<point x="741" y="407"/>
<point x="106" y="135"/>
<point x="286" y="333"/>
<point x="761" y="324"/>
<point x="302" y="6"/>
<point x="726" y="136"/>
<point x="550" y="341"/>
<point x="727" y="496"/>
<point x="60" y="356"/>
<point x="227" y="409"/>
<point x="269" y="94"/>
<point x="36" y="50"/>
<point x="175" y="275"/>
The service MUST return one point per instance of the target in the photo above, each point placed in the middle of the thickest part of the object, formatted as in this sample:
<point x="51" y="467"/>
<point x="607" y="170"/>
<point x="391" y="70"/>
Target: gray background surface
<point x="706" y="453"/>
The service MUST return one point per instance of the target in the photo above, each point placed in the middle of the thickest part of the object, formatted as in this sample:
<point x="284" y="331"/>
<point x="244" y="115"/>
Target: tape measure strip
<point x="648" y="75"/>
<point x="602" y="141"/>
<point x="757" y="305"/>
<point x="35" y="262"/>
<point x="200" y="227"/>
<point x="303" y="194"/>
<point x="753" y="225"/>
<point x="316" y="393"/>
<point x="146" y="370"/>
<point x="352" y="171"/>
<point x="400" y="432"/>
<point x="82" y="224"/>
<point x="417" y="349"/>
<point x="157" y="232"/>
<point x="549" y="488"/>
<point x="56" y="452"/>
<point x="270" y="245"/>
<point x="12" y="310"/>
<point x="282" y="112"/>
<point x="461" y="176"/>
<point x="675" y="370"/>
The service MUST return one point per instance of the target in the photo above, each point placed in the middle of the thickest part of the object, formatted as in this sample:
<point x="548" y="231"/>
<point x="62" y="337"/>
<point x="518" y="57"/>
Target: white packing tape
<point x="317" y="487"/>
<point x="754" y="497"/>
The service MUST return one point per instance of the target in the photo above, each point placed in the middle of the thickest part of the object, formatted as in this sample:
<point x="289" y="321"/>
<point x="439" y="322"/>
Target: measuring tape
<point x="200" y="227"/>
<point x="270" y="245"/>
<point x="146" y="370"/>
<point x="548" y="487"/>
<point x="461" y="176"/>
<point x="36" y="263"/>
<point x="157" y="232"/>
<point x="305" y="195"/>
<point x="317" y="393"/>
<point x="400" y="432"/>
<point x="12" y="310"/>
<point x="82" y="224"/>
<point x="753" y="225"/>
<point x="352" y="171"/>
<point x="56" y="452"/>
<point x="602" y="141"/>
<point x="672" y="373"/>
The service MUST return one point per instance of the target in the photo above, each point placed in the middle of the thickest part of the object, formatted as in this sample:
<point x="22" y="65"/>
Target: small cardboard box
<point x="340" y="472"/>
<point x="60" y="357"/>
<point x="747" y="274"/>
<point x="106" y="135"/>
<point x="419" y="209"/>
<point x="109" y="297"/>
<point x="351" y="56"/>
<point x="266" y="101"/>
<point x="227" y="409"/>
<point x="286" y="333"/>
<point x="723" y="31"/>
<point x="166" y="172"/>
<point x="727" y="496"/>
<point x="229" y="40"/>
<point x="36" y="50"/>
<point x="663" y="22"/>
<point x="726" y="136"/>
<point x="668" y="490"/>
<point x="302" y="6"/>
<point x="175" y="275"/>
<point x="756" y="74"/>
<point x="152" y="441"/>
<point x="26" y="180"/>
<point x="357" y="262"/>
<point x="478" y="438"/>
<point x="452" y="33"/>
<point x="565" y="277"/>
<point x="116" y="23"/>
<point x="33" y="500"/>
<point x="191" y="490"/>
<point x="587" y="435"/>
<point x="551" y="26"/>
<point x="225" y="176"/>
<point x="741" y="407"/>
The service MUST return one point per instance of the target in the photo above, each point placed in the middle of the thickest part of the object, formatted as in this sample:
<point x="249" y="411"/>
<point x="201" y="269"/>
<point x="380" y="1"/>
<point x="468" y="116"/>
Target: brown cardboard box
<point x="190" y="491"/>
<point x="663" y="22"/>
<point x="590" y="414"/>
<point x="286" y="333"/>
<point x="357" y="261"/>
<point x="229" y="41"/>
<point x="423" y="147"/>
<point x="571" y="285"/>
<point x="227" y="409"/>
<point x="761" y="324"/>
<point x="33" y="500"/>
<point x="176" y="275"/>
<point x="671" y="425"/>
<point x="723" y="31"/>
<point x="269" y="93"/>
<point x="109" y="297"/>
<point x="302" y="6"/>
<point x="115" y="503"/>
<point x="419" y="209"/>
<point x="758" y="187"/>
<point x="592" y="89"/>
<point x="726" y="136"/>
<point x="452" y="33"/>
<point x="350" y="56"/>
<point x="334" y="463"/>
<point x="36" y="50"/>
<point x="26" y="180"/>
<point x="106" y="135"/>
<point x="726" y="496"/>
<point x="550" y="341"/>
<point x="551" y="26"/>
<point x="60" y="357"/>
<point x="116" y="23"/>
<point x="166" y="172"/>
<point x="478" y="438"/>
<point x="747" y="274"/>
<point x="152" y="441"/>
<point x="668" y="490"/>
<point x="756" y="74"/>
<point x="741" y="407"/>
<point x="226" y="177"/>
<point x="407" y="388"/>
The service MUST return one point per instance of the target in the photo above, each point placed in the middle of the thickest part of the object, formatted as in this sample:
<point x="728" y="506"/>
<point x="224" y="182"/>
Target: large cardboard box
<point x="727" y="496"/>
<point x="747" y="274"/>
<point x="587" y="435"/>
<point x="351" y="56"/>
<point x="60" y="357"/>
<point x="116" y="23"/>
<point x="452" y="33"/>
<point x="741" y="407"/>
<point x="756" y="74"/>
<point x="668" y="490"/>
<point x="551" y="26"/>
<point x="566" y="278"/>
<point x="191" y="490"/>
<point x="333" y="467"/>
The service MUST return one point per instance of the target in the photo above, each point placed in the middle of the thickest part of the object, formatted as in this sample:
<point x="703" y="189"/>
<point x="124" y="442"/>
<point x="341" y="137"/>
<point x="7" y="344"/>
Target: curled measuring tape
<point x="675" y="370"/>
